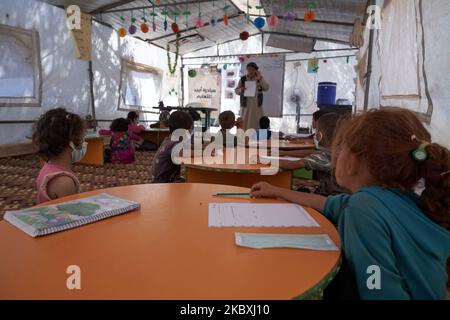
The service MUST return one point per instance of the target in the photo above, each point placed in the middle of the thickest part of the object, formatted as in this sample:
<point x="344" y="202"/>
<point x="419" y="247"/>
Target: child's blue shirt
<point x="387" y="228"/>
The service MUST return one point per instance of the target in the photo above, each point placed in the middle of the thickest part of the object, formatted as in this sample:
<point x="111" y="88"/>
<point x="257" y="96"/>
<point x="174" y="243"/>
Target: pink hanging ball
<point x="199" y="22"/>
<point x="272" y="21"/>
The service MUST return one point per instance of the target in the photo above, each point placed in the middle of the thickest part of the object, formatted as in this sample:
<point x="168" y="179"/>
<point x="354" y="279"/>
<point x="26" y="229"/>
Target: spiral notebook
<point x="44" y="220"/>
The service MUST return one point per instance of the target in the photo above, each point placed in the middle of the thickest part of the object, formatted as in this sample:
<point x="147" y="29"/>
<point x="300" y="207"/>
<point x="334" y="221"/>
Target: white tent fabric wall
<point x="431" y="68"/>
<point x="297" y="79"/>
<point x="65" y="80"/>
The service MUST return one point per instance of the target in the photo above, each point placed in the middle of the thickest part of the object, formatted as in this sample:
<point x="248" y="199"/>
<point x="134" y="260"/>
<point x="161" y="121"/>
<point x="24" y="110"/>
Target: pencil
<point x="231" y="194"/>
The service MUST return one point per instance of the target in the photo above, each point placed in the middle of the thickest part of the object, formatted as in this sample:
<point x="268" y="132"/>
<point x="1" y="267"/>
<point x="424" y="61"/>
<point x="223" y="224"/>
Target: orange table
<point x="241" y="175"/>
<point x="95" y="151"/>
<point x="165" y="250"/>
<point x="155" y="135"/>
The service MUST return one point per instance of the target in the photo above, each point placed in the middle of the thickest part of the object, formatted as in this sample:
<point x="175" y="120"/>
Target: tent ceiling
<point x="334" y="20"/>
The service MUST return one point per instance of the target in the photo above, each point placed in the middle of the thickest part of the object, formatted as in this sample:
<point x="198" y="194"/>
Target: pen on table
<point x="231" y="194"/>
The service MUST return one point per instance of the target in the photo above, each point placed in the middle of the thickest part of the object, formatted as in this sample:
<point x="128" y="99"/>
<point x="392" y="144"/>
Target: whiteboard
<point x="272" y="70"/>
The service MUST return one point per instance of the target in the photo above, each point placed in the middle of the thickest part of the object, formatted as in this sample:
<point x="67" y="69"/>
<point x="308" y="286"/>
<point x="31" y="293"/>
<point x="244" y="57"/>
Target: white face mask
<point x="316" y="140"/>
<point x="78" y="154"/>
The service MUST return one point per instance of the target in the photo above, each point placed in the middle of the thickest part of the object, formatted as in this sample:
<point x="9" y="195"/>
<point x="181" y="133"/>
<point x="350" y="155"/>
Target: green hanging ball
<point x="225" y="66"/>
<point x="192" y="73"/>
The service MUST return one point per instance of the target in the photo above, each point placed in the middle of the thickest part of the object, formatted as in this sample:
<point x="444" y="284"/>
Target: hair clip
<point x="445" y="173"/>
<point x="420" y="153"/>
<point x="68" y="116"/>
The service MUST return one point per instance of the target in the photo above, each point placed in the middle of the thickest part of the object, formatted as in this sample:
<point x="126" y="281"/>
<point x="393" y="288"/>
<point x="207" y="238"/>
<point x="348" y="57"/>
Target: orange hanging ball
<point x="310" y="15"/>
<point x="144" y="28"/>
<point x="122" y="32"/>
<point x="225" y="19"/>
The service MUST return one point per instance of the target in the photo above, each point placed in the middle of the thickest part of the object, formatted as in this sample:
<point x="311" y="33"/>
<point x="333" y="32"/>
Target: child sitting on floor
<point x="163" y="168"/>
<point x="134" y="127"/>
<point x="380" y="156"/>
<point x="163" y="120"/>
<point x="122" y="150"/>
<point x="59" y="137"/>
<point x="320" y="162"/>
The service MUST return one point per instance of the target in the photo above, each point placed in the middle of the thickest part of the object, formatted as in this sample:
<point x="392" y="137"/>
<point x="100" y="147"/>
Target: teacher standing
<point x="251" y="107"/>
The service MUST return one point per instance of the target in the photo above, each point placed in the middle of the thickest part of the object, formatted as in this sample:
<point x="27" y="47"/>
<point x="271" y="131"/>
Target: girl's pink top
<point x="49" y="172"/>
<point x="122" y="150"/>
<point x="134" y="128"/>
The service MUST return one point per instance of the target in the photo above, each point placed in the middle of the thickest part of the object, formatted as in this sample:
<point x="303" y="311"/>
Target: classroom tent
<point x="410" y="62"/>
<point x="64" y="80"/>
<point x="410" y="77"/>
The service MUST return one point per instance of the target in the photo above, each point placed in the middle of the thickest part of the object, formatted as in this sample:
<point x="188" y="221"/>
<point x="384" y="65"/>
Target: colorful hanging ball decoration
<point x="192" y="73"/>
<point x="132" y="29"/>
<point x="259" y="22"/>
<point x="309" y="16"/>
<point x="144" y="28"/>
<point x="225" y="19"/>
<point x="289" y="16"/>
<point x="244" y="35"/>
<point x="199" y="22"/>
<point x="225" y="66"/>
<point x="175" y="27"/>
<point x="241" y="59"/>
<point x="122" y="32"/>
<point x="213" y="21"/>
<point x="272" y="21"/>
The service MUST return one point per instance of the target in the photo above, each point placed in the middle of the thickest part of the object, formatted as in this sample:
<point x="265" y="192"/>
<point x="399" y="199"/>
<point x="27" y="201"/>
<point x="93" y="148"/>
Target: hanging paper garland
<point x="153" y="14"/>
<point x="213" y="20"/>
<point x="173" y="69"/>
<point x="289" y="15"/>
<point x="192" y="73"/>
<point x="165" y="13"/>
<point x="272" y="21"/>
<point x="310" y="14"/>
<point x="225" y="16"/>
<point x="144" y="25"/>
<point x="122" y="32"/>
<point x="259" y="22"/>
<point x="132" y="29"/>
<point x="174" y="25"/>
<point x="199" y="22"/>
<point x="186" y="13"/>
<point x="244" y="35"/>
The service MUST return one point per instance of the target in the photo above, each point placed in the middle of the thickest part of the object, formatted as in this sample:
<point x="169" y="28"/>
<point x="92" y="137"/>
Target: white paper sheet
<point x="259" y="215"/>
<point x="250" y="89"/>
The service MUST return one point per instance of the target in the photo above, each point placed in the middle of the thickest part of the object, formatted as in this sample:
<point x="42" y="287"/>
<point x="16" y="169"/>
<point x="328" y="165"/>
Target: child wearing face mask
<point x="381" y="156"/>
<point x="59" y="137"/>
<point x="320" y="161"/>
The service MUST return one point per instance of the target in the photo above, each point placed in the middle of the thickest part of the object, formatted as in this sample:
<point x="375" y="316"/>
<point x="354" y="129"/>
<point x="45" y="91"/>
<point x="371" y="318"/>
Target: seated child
<point x="320" y="162"/>
<point x="163" y="120"/>
<point x="264" y="132"/>
<point x="122" y="151"/>
<point x="227" y="121"/>
<point x="163" y="169"/>
<point x="380" y="156"/>
<point x="134" y="127"/>
<point x="59" y="137"/>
